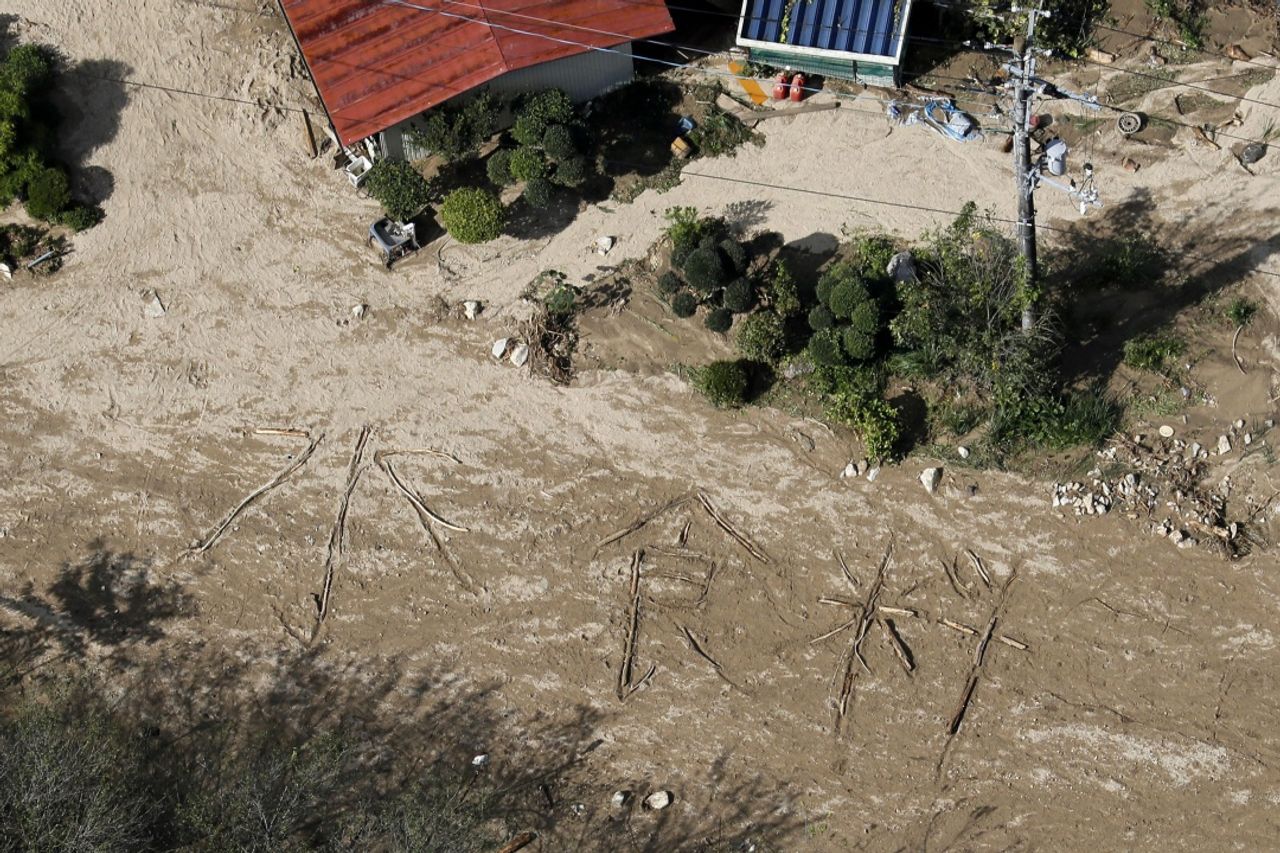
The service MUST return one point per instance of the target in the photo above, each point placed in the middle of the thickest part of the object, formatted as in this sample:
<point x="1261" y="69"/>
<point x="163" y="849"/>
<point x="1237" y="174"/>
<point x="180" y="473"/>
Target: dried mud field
<point x="662" y="595"/>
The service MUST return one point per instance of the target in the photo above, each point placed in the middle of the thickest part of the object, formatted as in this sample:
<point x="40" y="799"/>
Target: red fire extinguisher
<point x="780" y="88"/>
<point x="797" y="87"/>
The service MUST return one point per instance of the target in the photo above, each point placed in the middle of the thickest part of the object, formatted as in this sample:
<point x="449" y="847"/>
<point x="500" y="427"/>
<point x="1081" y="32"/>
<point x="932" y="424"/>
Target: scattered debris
<point x="1130" y="165"/>
<point x="151" y="305"/>
<point x="500" y="347"/>
<point x="359" y="310"/>
<point x="962" y="452"/>
<point x="1098" y="55"/>
<point x="872" y="473"/>
<point x="481" y="760"/>
<point x="850" y="470"/>
<point x="658" y="800"/>
<point x="1238" y="53"/>
<point x="1166" y="431"/>
<point x="1224" y="445"/>
<point x="930" y="478"/>
<point x="519" y="842"/>
<point x="471" y="308"/>
<point x="604" y="244"/>
<point x="620" y="798"/>
<point x="520" y="354"/>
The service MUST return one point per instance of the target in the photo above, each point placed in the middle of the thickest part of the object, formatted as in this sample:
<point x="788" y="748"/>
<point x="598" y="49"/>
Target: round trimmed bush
<point x="823" y="288"/>
<point x="498" y="167"/>
<point x="846" y="296"/>
<point x="669" y="283"/>
<point x="762" y="337"/>
<point x="719" y="320"/>
<point x="472" y="215"/>
<point x="865" y="317"/>
<point x="820" y="318"/>
<point x="724" y="383"/>
<point x="527" y="164"/>
<point x="81" y="217"/>
<point x="48" y="193"/>
<point x="684" y="304"/>
<point x="704" y="270"/>
<point x="739" y="296"/>
<point x="538" y="192"/>
<point x="572" y="172"/>
<point x="559" y="143"/>
<point x="857" y="344"/>
<point x="824" y="348"/>
<point x="735" y="255"/>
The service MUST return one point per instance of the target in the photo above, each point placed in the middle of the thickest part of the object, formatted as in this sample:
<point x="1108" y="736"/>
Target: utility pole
<point x="1022" y="110"/>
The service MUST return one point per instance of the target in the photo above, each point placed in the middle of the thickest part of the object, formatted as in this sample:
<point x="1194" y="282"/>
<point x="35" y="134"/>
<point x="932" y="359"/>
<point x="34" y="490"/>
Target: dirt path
<point x="1144" y="698"/>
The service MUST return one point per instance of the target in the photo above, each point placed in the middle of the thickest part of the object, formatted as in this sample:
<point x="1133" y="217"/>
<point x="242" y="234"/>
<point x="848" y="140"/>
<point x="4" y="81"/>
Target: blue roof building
<point x="858" y="40"/>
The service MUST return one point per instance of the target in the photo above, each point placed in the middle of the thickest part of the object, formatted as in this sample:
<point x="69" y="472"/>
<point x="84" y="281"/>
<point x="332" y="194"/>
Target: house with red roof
<point x="379" y="64"/>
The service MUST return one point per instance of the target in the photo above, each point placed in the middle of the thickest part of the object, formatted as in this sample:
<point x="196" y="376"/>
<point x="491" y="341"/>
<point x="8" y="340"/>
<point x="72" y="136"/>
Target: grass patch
<point x="1155" y="353"/>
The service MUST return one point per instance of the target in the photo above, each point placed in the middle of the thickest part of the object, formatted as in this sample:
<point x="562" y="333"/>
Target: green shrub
<point x="846" y="297"/>
<point x="824" y="348"/>
<point x="1153" y="352"/>
<point x="669" y="283"/>
<point x="562" y="300"/>
<point x="876" y="421"/>
<point x="870" y="256"/>
<point x="857" y="344"/>
<point x="735" y="255"/>
<point x="1240" y="312"/>
<point x="739" y="296"/>
<point x="684" y="304"/>
<point x="399" y="188"/>
<point x="720" y="133"/>
<point x="539" y="112"/>
<point x="472" y="215"/>
<point x="725" y="383"/>
<point x="48" y="194"/>
<point x="538" y="192"/>
<point x="456" y="133"/>
<point x="719" y="320"/>
<point x="823" y="289"/>
<point x="81" y="217"/>
<point x="960" y="418"/>
<point x="704" y="270"/>
<point x="27" y="69"/>
<point x="821" y="318"/>
<point x="761" y="336"/>
<point x="783" y="292"/>
<point x="498" y="168"/>
<point x="559" y="143"/>
<point x="572" y="172"/>
<point x="528" y="164"/>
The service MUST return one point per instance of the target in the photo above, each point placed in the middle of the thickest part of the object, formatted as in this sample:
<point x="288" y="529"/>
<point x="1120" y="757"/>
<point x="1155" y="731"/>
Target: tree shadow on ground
<point x="257" y="747"/>
<point x="107" y="600"/>
<point x="89" y="97"/>
<point x="527" y="222"/>
<point x="1130" y="275"/>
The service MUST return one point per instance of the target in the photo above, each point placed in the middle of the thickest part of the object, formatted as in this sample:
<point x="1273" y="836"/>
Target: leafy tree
<point x="539" y="112"/>
<point x="472" y="215"/>
<point x="762" y="336"/>
<point x="457" y="132"/>
<point x="399" y="187"/>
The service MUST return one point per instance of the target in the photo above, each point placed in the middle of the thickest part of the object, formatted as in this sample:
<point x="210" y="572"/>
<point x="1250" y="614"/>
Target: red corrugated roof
<point x="379" y="62"/>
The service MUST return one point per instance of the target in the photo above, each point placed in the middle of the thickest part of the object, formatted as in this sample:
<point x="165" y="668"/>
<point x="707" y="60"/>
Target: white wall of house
<point x="582" y="77"/>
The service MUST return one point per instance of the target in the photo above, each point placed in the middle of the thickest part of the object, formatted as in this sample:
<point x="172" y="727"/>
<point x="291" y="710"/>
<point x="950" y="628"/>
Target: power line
<point x="174" y="90"/>
<point x="1180" y="45"/>
<point x="903" y="206"/>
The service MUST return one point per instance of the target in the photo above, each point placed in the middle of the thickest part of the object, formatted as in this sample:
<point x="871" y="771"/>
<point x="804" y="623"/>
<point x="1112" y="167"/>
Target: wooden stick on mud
<point x="683" y="539"/>
<point x="427" y="451"/>
<point x="520" y="842"/>
<point x="899" y="611"/>
<point x="414" y="498"/>
<point x="956" y="626"/>
<point x="949" y="570"/>
<point x="975" y="672"/>
<point x="979" y="567"/>
<point x="900" y="647"/>
<point x="701" y="652"/>
<point x="212" y="538"/>
<point x="724" y="525"/>
<point x="1234" y="339"/>
<point x="643" y="520"/>
<point x="291" y="433"/>
<point x="338" y="535"/>
<point x="844" y="567"/>
<point x="627" y="667"/>
<point x="854" y="621"/>
<point x="855" y="651"/>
